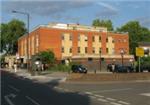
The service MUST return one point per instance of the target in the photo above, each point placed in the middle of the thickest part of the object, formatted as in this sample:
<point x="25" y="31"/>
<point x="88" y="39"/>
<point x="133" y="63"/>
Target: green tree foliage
<point x="145" y="60"/>
<point x="47" y="57"/>
<point x="103" y="23"/>
<point x="137" y="33"/>
<point x="10" y="32"/>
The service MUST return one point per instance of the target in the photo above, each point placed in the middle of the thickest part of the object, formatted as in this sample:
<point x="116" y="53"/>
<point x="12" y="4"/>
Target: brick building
<point x="75" y="42"/>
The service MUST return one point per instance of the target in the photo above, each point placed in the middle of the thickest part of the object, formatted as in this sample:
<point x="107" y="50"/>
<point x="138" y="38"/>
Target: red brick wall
<point x="51" y="39"/>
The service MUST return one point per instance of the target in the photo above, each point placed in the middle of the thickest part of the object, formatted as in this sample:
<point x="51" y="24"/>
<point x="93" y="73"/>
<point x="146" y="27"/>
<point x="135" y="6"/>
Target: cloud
<point x="107" y="6"/>
<point x="107" y="10"/>
<point x="43" y="8"/>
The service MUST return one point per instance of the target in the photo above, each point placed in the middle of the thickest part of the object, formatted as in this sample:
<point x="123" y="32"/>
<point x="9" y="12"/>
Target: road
<point x="22" y="91"/>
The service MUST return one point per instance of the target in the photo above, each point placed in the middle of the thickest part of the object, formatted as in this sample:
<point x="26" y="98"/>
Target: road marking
<point x="92" y="97"/>
<point x="12" y="87"/>
<point x="114" y="103"/>
<point x="102" y="100"/>
<point x="89" y="93"/>
<point x="145" y="94"/>
<point x="111" y="99"/>
<point x="33" y="101"/>
<point x="122" y="102"/>
<point x="98" y="95"/>
<point x="111" y="90"/>
<point x="8" y="100"/>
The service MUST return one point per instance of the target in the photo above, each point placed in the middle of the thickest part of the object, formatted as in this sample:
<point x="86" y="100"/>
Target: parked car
<point x="109" y="67"/>
<point x="78" y="69"/>
<point x="121" y="69"/>
<point x="143" y="68"/>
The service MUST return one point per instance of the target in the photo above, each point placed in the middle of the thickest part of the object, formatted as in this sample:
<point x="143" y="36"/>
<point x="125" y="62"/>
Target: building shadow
<point x="44" y="93"/>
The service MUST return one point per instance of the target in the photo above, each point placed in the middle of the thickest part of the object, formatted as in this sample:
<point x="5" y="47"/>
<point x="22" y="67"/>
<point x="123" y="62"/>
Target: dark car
<point x="121" y="69"/>
<point x="143" y="68"/>
<point x="78" y="69"/>
<point x="109" y="67"/>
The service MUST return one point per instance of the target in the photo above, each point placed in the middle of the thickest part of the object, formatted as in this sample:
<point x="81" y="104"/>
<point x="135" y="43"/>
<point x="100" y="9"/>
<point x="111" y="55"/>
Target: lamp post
<point x="122" y="54"/>
<point x="27" y="14"/>
<point x="100" y="59"/>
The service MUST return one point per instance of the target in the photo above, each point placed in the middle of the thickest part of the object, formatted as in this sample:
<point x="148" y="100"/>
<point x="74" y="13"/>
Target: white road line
<point x="33" y="101"/>
<point x="111" y="90"/>
<point x="114" y="103"/>
<point x="145" y="94"/>
<point x="8" y="100"/>
<point x="102" y="100"/>
<point x="111" y="99"/>
<point x="92" y="97"/>
<point x="12" y="87"/>
<point x="89" y="93"/>
<point x="122" y="102"/>
<point x="98" y="95"/>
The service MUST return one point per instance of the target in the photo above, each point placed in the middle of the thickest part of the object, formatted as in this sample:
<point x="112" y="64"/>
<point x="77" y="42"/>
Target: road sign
<point x="139" y="51"/>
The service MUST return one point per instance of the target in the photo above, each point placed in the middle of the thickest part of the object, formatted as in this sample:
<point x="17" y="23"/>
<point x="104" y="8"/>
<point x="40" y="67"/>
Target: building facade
<point x="75" y="42"/>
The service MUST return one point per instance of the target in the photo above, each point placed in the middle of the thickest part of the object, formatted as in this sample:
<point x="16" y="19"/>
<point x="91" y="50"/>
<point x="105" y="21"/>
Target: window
<point x="113" y="41"/>
<point x="78" y="49"/>
<point x="113" y="51"/>
<point x="70" y="37"/>
<point x="99" y="38"/>
<point x="93" y="38"/>
<point x="106" y="50"/>
<point x="100" y="50"/>
<point x="85" y="49"/>
<point x="106" y="39"/>
<point x="86" y="38"/>
<point x="78" y="37"/>
<point x="62" y="49"/>
<point x="62" y="37"/>
<point x="37" y="41"/>
<point x="93" y="49"/>
<point x="70" y="50"/>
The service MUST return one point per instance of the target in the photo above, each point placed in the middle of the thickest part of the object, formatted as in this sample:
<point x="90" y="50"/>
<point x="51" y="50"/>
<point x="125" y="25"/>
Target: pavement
<point x="43" y="78"/>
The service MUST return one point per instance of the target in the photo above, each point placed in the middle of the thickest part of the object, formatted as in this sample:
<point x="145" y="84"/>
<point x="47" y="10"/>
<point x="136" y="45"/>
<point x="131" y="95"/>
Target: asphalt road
<point x="22" y="91"/>
<point x="121" y="93"/>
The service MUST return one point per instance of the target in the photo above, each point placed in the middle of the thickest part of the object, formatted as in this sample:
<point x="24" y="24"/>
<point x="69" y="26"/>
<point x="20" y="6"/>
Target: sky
<point x="77" y="11"/>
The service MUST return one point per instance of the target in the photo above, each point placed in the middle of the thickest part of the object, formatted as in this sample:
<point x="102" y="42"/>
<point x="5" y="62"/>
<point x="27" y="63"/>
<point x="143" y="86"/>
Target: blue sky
<point x="81" y="11"/>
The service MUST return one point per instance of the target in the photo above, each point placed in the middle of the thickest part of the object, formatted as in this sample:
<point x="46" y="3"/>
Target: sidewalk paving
<point x="49" y="77"/>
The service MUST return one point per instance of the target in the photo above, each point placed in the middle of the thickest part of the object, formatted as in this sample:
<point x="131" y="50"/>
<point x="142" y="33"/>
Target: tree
<point x="103" y="23"/>
<point x="47" y="57"/>
<point x="10" y="32"/>
<point x="137" y="33"/>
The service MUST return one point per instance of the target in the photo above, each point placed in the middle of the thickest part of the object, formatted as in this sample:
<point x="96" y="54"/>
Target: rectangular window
<point x="106" y="39"/>
<point x="100" y="50"/>
<point x="99" y="38"/>
<point x="70" y="50"/>
<point x="62" y="49"/>
<point x="93" y="38"/>
<point x="62" y="37"/>
<point x="85" y="49"/>
<point x="37" y="41"/>
<point x="113" y="41"/>
<point x="86" y="38"/>
<point x="78" y="37"/>
<point x="70" y="37"/>
<point x="78" y="49"/>
<point x="93" y="49"/>
<point x="106" y="50"/>
<point x="113" y="51"/>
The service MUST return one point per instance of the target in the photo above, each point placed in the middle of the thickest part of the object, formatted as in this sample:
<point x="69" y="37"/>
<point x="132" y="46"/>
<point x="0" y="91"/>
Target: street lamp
<point x="100" y="58"/>
<point x="27" y="14"/>
<point x="122" y="54"/>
